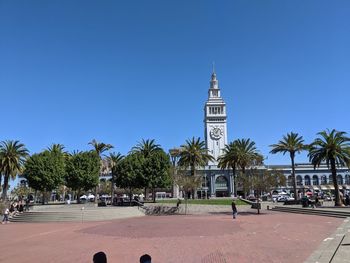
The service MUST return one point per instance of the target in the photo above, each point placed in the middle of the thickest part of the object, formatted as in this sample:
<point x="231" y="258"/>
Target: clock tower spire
<point x="215" y="120"/>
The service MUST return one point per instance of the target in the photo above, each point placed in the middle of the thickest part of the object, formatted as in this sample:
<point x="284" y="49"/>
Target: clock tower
<point x="215" y="121"/>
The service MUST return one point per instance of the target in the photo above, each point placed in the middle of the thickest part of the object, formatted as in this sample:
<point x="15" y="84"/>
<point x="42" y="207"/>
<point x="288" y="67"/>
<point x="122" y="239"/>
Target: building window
<point x="307" y="180"/>
<point x="299" y="180"/>
<point x="330" y="179"/>
<point x="347" y="179"/>
<point x="340" y="179"/>
<point x="315" y="180"/>
<point x="323" y="179"/>
<point x="221" y="182"/>
<point x="290" y="181"/>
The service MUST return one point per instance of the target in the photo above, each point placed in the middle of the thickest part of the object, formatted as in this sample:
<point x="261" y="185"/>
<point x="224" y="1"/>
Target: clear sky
<point x="120" y="71"/>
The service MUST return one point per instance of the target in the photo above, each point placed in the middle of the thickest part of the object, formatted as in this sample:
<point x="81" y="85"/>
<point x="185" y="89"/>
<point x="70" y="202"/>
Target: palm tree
<point x="114" y="159"/>
<point x="333" y="147"/>
<point x="99" y="148"/>
<point x="229" y="159"/>
<point x="12" y="157"/>
<point x="146" y="147"/>
<point x="57" y="147"/>
<point x="291" y="143"/>
<point x="247" y="155"/>
<point x="194" y="154"/>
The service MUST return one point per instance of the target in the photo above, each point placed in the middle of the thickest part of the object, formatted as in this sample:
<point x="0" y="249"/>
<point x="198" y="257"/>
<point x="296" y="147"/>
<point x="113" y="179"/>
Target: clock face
<point x="216" y="133"/>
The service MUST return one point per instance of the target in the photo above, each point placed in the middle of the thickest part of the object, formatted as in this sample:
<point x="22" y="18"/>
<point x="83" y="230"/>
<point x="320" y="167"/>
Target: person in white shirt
<point x="6" y="216"/>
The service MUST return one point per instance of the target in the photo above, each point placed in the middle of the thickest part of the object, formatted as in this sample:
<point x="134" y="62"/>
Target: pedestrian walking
<point x="234" y="209"/>
<point x="6" y="216"/>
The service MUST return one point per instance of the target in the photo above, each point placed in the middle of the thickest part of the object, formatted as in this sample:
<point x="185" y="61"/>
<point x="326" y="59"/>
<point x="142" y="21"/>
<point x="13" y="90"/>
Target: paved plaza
<point x="269" y="237"/>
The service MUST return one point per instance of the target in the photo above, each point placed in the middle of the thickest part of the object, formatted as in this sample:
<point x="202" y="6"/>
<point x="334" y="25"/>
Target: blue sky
<point x="120" y="71"/>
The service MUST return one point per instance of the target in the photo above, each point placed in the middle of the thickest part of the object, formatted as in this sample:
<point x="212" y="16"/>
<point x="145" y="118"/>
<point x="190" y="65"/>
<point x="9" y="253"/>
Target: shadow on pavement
<point x="245" y="213"/>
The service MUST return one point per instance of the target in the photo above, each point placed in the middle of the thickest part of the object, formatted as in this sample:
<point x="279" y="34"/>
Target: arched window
<point x="330" y="179"/>
<point x="315" y="180"/>
<point x="347" y="179"/>
<point x="205" y="181"/>
<point x="299" y="180"/>
<point x="290" y="181"/>
<point x="323" y="179"/>
<point x="340" y="179"/>
<point x="307" y="180"/>
<point x="221" y="182"/>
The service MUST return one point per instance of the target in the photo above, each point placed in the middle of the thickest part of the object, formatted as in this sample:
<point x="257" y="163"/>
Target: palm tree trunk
<point x="296" y="197"/>
<point x="4" y="187"/>
<point x="112" y="188"/>
<point x="153" y="194"/>
<point x="234" y="180"/>
<point x="338" y="201"/>
<point x="193" y="172"/>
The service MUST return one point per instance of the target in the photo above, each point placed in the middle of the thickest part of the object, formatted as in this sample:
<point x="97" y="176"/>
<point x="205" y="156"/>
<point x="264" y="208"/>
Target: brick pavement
<point x="269" y="237"/>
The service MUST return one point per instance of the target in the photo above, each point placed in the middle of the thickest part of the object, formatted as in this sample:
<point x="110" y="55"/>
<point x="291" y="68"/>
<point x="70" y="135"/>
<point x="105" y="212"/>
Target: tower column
<point x="215" y="121"/>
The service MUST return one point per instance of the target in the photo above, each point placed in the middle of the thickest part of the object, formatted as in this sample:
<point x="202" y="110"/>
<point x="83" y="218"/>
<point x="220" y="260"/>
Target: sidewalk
<point x="336" y="248"/>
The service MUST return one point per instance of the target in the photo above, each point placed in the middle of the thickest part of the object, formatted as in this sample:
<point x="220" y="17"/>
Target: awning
<point x="324" y="187"/>
<point x="316" y="187"/>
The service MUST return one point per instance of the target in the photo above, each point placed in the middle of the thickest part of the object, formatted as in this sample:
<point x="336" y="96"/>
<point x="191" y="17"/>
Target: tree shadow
<point x="245" y="213"/>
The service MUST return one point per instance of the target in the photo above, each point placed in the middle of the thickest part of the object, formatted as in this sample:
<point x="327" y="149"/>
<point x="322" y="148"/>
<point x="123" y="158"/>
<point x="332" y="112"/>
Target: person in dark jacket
<point x="234" y="209"/>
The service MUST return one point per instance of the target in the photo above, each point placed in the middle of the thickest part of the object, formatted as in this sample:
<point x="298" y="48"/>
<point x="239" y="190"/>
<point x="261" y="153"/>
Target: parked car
<point x="122" y="201"/>
<point x="283" y="198"/>
<point x="83" y="198"/>
<point x="105" y="200"/>
<point x="251" y="198"/>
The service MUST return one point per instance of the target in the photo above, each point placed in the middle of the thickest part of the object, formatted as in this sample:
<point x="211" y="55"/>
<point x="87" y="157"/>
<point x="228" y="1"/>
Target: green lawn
<point x="204" y="201"/>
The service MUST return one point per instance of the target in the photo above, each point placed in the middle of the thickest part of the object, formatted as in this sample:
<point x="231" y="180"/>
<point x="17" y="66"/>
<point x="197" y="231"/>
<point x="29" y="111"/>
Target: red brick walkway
<point x="273" y="237"/>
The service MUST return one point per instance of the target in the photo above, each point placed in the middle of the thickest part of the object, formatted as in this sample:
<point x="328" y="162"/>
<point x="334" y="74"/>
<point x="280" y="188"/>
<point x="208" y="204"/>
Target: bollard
<point x="268" y="207"/>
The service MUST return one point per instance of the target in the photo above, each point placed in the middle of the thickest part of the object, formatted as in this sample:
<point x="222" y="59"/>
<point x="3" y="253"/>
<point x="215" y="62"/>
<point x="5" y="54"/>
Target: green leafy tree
<point x="129" y="173"/>
<point x="229" y="159"/>
<point x="193" y="155"/>
<point x="105" y="187"/>
<point x="332" y="147"/>
<point x="291" y="143"/>
<point x="146" y="148"/>
<point x="45" y="171"/>
<point x="114" y="159"/>
<point x="263" y="181"/>
<point x="186" y="183"/>
<point x="21" y="191"/>
<point x="82" y="171"/>
<point x="99" y="149"/>
<point x="59" y="149"/>
<point x="156" y="171"/>
<point x="12" y="158"/>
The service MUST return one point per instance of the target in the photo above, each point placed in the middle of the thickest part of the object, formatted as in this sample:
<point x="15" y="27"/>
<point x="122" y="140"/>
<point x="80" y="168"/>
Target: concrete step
<point x="98" y="214"/>
<point x="310" y="211"/>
